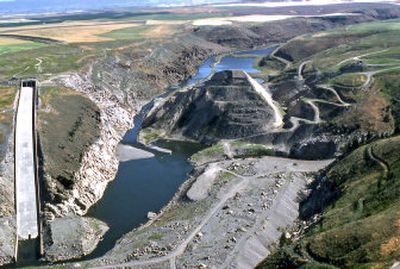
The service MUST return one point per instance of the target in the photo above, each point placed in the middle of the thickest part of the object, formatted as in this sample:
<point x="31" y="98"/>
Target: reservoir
<point x="148" y="185"/>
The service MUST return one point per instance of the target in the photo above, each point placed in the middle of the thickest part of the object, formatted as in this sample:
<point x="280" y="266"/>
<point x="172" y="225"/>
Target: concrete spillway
<point x="25" y="165"/>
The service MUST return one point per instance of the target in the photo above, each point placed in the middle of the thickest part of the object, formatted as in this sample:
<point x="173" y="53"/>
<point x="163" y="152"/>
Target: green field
<point x="128" y="33"/>
<point x="351" y="80"/>
<point x="55" y="59"/>
<point x="19" y="47"/>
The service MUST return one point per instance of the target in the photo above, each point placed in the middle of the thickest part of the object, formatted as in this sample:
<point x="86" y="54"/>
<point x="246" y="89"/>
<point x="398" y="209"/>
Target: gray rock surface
<point x="72" y="237"/>
<point x="202" y="186"/>
<point x="7" y="240"/>
<point x="224" y="107"/>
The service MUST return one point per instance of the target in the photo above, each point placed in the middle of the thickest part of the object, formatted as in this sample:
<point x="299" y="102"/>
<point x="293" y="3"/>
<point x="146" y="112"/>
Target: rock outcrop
<point x="225" y="107"/>
<point x="7" y="240"/>
<point x="99" y="163"/>
<point x="73" y="237"/>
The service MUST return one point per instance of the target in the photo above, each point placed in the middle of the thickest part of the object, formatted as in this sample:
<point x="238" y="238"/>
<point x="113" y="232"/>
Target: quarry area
<point x="229" y="215"/>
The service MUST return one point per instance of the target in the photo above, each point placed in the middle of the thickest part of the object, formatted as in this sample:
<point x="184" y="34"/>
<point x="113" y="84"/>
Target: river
<point x="148" y="185"/>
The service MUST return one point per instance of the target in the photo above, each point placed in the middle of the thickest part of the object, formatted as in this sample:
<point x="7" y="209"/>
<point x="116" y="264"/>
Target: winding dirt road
<point x="180" y="249"/>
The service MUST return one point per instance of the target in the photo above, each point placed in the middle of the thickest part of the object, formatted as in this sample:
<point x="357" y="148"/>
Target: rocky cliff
<point x="69" y="188"/>
<point x="118" y="84"/>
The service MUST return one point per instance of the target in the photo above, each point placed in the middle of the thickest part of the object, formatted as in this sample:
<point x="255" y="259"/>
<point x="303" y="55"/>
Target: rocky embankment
<point x="99" y="163"/>
<point x="7" y="206"/>
<point x="119" y="86"/>
<point x="72" y="237"/>
<point x="7" y="221"/>
<point x="233" y="224"/>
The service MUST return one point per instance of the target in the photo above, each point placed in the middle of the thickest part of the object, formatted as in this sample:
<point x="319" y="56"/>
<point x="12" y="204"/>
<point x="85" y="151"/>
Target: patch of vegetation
<point x="352" y="80"/>
<point x="210" y="154"/>
<point x="238" y="149"/>
<point x="147" y="135"/>
<point x="55" y="59"/>
<point x="336" y="55"/>
<point x="359" y="229"/>
<point x="270" y="63"/>
<point x="247" y="150"/>
<point x="332" y="47"/>
<point x="156" y="236"/>
<point x="225" y="176"/>
<point x="182" y="211"/>
<point x="390" y="84"/>
<point x="371" y="113"/>
<point x="128" y="33"/>
<point x="7" y="97"/>
<point x="68" y="125"/>
<point x="19" y="47"/>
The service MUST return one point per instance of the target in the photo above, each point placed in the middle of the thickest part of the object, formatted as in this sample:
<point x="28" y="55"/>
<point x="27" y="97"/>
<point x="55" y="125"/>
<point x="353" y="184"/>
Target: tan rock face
<point x="99" y="163"/>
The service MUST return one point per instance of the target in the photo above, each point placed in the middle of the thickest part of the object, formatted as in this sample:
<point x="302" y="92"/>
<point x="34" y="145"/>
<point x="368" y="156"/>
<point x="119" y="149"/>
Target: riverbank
<point x="245" y="194"/>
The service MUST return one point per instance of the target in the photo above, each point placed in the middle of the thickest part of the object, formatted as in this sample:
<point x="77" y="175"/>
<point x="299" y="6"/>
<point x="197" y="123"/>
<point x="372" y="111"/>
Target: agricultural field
<point x="54" y="45"/>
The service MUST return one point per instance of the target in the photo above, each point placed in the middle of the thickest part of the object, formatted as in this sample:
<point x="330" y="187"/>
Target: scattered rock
<point x="202" y="266"/>
<point x="151" y="215"/>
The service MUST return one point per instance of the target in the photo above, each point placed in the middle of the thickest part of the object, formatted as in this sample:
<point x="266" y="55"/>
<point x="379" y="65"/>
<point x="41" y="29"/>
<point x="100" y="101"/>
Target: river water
<point x="148" y="185"/>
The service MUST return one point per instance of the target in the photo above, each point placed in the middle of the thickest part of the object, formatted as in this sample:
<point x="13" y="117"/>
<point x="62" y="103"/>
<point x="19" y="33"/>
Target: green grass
<point x="246" y="150"/>
<point x="239" y="150"/>
<point x="132" y="33"/>
<point x="376" y="108"/>
<point x="210" y="154"/>
<point x="7" y="97"/>
<point x="267" y="66"/>
<point x="340" y="44"/>
<point x="56" y="59"/>
<point x="352" y="80"/>
<point x="156" y="236"/>
<point x="372" y="27"/>
<point x="183" y="211"/>
<point x="390" y="84"/>
<point x="148" y="135"/>
<point x="19" y="47"/>
<point x="225" y="176"/>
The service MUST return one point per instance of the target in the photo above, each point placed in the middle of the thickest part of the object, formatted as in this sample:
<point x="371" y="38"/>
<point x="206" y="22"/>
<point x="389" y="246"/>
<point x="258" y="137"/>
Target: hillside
<point x="359" y="223"/>
<point x="351" y="217"/>
<point x="225" y="107"/>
